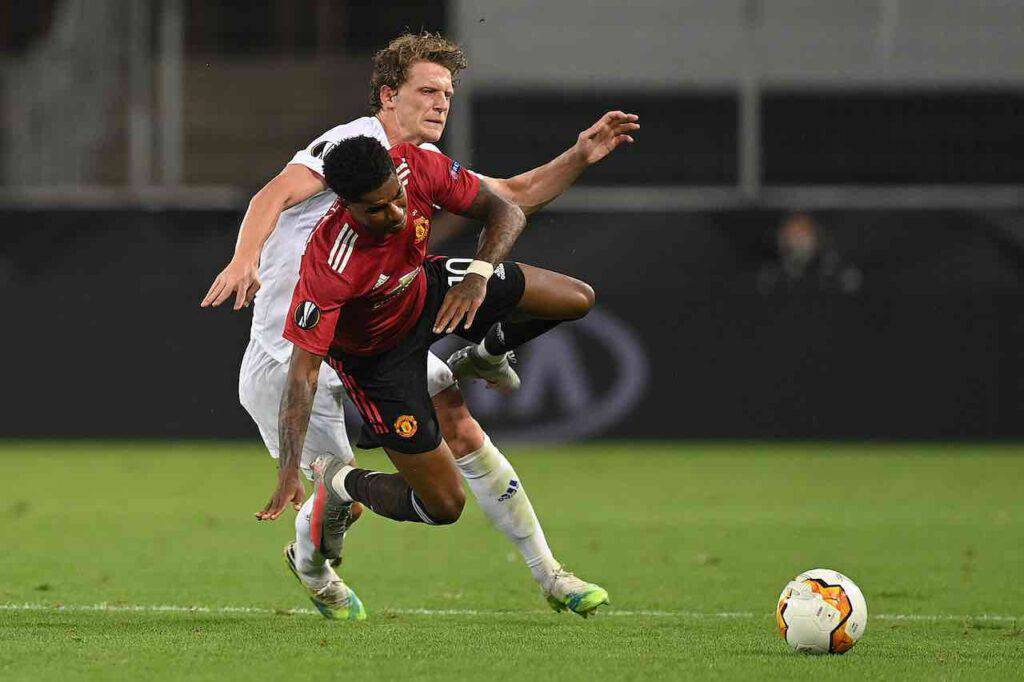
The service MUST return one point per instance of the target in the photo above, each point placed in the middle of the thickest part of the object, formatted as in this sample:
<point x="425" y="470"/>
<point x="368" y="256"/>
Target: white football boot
<point x="332" y="597"/>
<point x="565" y="591"/>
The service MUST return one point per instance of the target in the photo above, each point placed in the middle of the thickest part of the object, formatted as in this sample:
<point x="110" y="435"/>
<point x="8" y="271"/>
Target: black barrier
<point x="903" y="325"/>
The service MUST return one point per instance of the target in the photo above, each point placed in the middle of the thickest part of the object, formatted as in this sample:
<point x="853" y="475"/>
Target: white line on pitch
<point x="174" y="608"/>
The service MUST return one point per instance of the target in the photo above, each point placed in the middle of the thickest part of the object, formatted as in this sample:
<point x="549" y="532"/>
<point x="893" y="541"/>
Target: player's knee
<point x="463" y="436"/>
<point x="447" y="510"/>
<point x="460" y="431"/>
<point x="582" y="299"/>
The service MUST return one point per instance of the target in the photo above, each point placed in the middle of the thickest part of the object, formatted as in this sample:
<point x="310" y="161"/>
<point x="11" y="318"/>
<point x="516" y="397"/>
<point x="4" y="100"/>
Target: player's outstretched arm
<point x="503" y="222"/>
<point x="538" y="187"/>
<point x="293" y="420"/>
<point x="293" y="185"/>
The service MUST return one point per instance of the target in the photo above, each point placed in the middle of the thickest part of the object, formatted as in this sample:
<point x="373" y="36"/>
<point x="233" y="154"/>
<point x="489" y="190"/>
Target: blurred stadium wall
<point x="820" y="232"/>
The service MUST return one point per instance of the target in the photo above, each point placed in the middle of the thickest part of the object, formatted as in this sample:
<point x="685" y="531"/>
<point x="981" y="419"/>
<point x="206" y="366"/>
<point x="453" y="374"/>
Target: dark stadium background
<point x="133" y="139"/>
<point x="807" y="349"/>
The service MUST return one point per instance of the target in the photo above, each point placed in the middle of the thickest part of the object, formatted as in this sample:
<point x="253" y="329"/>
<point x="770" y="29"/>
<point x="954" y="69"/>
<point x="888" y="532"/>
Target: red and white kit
<point x="368" y="303"/>
<point x="264" y="368"/>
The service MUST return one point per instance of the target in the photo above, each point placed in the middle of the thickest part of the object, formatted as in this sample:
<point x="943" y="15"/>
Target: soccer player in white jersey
<point x="411" y="93"/>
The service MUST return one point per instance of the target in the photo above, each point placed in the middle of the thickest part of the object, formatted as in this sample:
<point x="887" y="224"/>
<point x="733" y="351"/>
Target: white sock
<point x="308" y="559"/>
<point x="501" y="495"/>
<point x="481" y="352"/>
<point x="337" y="482"/>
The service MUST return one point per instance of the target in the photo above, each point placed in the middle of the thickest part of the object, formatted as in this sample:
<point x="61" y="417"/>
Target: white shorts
<point x="261" y="382"/>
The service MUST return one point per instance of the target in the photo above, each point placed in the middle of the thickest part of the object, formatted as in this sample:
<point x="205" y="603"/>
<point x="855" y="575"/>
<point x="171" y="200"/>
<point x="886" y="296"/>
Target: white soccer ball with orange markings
<point x="821" y="612"/>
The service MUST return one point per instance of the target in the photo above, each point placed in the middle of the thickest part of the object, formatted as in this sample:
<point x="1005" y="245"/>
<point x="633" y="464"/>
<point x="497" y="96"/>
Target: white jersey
<point x="282" y="254"/>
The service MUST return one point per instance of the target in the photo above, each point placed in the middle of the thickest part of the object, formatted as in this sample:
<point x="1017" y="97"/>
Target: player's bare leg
<point x="553" y="296"/>
<point x="434" y="480"/>
<point x="500" y="493"/>
<point x="549" y="298"/>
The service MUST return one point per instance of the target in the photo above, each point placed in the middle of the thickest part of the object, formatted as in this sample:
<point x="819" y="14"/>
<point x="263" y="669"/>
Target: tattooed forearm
<point x="503" y="228"/>
<point x="503" y="223"/>
<point x="296" y="405"/>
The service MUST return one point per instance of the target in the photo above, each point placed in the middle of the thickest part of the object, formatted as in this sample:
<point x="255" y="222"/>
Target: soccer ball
<point x="821" y="612"/>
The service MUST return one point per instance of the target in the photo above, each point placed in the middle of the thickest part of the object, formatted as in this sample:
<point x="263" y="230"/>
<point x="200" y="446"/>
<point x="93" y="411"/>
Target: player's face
<point x="422" y="102"/>
<point x="383" y="209"/>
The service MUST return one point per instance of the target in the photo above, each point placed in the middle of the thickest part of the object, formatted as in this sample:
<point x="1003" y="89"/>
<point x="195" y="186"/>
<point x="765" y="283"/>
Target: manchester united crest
<point x="405" y="426"/>
<point x="422" y="226"/>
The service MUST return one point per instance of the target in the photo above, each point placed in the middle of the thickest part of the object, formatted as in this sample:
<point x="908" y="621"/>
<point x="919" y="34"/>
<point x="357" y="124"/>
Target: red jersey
<point x="359" y="293"/>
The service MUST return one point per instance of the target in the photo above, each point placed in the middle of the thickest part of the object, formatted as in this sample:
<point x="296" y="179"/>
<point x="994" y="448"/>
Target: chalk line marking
<point x="692" y="615"/>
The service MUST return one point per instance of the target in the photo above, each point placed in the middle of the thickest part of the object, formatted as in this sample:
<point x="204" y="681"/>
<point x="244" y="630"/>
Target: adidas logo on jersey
<point x="513" y="488"/>
<point x="499" y="271"/>
<point x="380" y="281"/>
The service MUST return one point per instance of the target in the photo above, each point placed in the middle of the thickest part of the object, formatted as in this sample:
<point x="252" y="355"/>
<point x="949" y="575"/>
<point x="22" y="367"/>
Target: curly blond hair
<point x="391" y="65"/>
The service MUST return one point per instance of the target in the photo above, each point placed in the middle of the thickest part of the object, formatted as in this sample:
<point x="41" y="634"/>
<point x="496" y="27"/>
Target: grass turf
<point x="704" y="535"/>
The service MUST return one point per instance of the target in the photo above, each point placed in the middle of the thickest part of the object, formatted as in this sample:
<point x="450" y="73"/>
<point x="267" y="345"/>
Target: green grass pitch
<point x="693" y="541"/>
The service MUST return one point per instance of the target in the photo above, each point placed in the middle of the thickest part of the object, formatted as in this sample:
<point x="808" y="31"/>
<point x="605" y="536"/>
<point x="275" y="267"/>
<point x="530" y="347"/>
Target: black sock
<point x="505" y="336"/>
<point x="386" y="494"/>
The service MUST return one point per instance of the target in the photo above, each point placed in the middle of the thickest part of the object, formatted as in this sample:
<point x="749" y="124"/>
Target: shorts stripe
<point x="372" y="408"/>
<point x="346" y="382"/>
<point x="366" y="408"/>
<point x="360" y="405"/>
<point x="358" y="400"/>
<point x="378" y="420"/>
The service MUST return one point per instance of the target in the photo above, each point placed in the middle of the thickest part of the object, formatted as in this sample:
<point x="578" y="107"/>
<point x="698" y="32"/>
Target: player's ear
<point x="387" y="94"/>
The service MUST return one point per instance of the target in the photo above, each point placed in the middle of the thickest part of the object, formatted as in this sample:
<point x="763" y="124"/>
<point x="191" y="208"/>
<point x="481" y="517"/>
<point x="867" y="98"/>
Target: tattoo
<point x="296" y="406"/>
<point x="503" y="223"/>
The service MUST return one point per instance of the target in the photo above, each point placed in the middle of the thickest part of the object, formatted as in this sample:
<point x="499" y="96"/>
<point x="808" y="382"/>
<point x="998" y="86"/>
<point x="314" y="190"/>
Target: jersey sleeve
<point x="316" y="304"/>
<point x="312" y="157"/>
<point x="448" y="184"/>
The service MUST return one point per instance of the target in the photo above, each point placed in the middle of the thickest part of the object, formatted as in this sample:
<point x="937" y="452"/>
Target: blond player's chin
<point x="431" y="133"/>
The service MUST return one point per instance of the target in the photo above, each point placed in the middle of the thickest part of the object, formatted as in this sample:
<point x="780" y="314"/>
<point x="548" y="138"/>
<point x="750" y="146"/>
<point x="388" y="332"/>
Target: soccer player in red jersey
<point x="371" y="303"/>
<point x="411" y="92"/>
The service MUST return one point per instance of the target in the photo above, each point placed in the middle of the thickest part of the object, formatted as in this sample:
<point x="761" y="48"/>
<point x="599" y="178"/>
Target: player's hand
<point x="462" y="300"/>
<point x="238" y="278"/>
<point x="601" y="139"/>
<point x="289" y="489"/>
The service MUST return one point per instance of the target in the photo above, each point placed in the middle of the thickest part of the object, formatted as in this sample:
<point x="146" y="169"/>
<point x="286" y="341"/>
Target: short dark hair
<point x="357" y="165"/>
